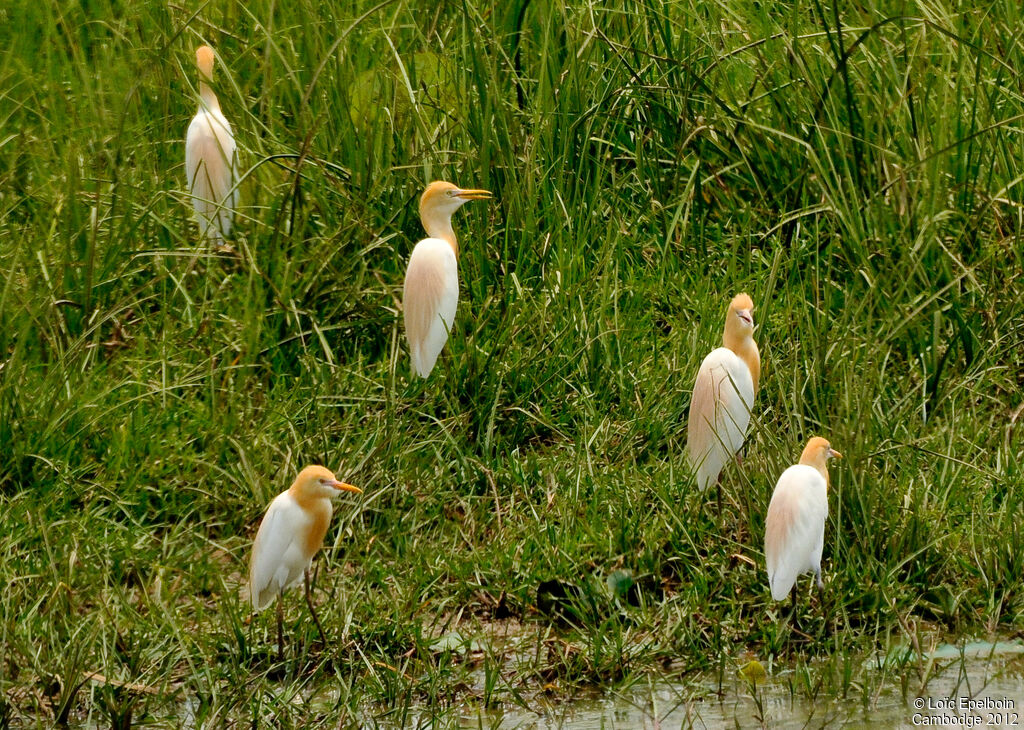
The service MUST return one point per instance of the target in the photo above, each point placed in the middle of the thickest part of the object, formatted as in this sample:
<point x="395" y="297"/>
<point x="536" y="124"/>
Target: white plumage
<point x="291" y="533"/>
<point x="210" y="161"/>
<point x="431" y="296"/>
<point x="723" y="396"/>
<point x="279" y="554"/>
<point x="795" y="528"/>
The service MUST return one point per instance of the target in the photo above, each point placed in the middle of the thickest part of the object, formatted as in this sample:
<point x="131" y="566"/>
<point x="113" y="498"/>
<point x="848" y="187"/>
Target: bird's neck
<point x="746" y="349"/>
<point x="207" y="97"/>
<point x="818" y="461"/>
<point x="309" y="501"/>
<point x="440" y="226"/>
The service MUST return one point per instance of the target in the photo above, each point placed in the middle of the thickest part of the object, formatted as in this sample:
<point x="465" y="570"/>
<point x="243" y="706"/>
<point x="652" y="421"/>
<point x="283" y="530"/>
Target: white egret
<point x="210" y="161"/>
<point x="794" y="530"/>
<point x="723" y="396"/>
<point x="291" y="533"/>
<point x="431" y="292"/>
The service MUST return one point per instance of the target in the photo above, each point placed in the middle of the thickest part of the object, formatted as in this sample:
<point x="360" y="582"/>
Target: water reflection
<point x="973" y="685"/>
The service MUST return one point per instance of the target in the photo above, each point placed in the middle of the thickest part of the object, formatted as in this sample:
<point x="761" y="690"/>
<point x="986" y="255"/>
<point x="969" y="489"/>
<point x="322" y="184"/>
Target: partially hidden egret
<point x="431" y="292"/>
<point x="210" y="161"/>
<point x="794" y="530"/>
<point x="723" y="396"/>
<point x="291" y="533"/>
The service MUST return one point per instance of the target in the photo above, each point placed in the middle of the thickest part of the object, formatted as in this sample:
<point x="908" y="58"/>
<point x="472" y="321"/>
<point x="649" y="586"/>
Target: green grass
<point x="862" y="184"/>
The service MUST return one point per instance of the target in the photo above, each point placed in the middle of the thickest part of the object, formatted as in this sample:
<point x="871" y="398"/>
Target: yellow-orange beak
<point x="473" y="194"/>
<point x="835" y="454"/>
<point x="342" y="487"/>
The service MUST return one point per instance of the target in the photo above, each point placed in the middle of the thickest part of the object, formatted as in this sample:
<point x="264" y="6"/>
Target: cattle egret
<point x="431" y="291"/>
<point x="723" y="396"/>
<point x="290" y="535"/>
<point x="794" y="530"/>
<point x="210" y="158"/>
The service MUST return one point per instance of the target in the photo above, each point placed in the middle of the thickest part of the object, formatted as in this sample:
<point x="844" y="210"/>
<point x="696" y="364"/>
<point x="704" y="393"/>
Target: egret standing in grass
<point x="794" y="530"/>
<point x="431" y="292"/>
<point x="210" y="158"/>
<point x="723" y="396"/>
<point x="291" y="533"/>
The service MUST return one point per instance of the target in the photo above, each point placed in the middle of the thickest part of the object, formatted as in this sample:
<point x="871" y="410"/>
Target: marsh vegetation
<point x="530" y="527"/>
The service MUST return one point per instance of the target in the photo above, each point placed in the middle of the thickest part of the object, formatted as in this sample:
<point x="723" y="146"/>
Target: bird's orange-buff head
<point x="204" y="60"/>
<point x="316" y="482"/>
<point x="739" y="334"/>
<point x="740" y="322"/>
<point x="817" y="453"/>
<point x="439" y="202"/>
<point x="443" y="198"/>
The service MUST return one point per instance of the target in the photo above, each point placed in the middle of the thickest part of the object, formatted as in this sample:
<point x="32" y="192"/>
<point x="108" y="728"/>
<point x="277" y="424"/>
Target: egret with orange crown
<point x="794" y="530"/>
<point x="210" y="158"/>
<point x="291" y="533"/>
<point x="723" y="396"/>
<point x="431" y="292"/>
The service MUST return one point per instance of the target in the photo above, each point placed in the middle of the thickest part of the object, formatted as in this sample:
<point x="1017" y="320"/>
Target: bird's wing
<point x="700" y="428"/>
<point x="228" y="194"/>
<point x="794" y="527"/>
<point x="273" y="552"/>
<point x="210" y="166"/>
<point x="430" y="297"/>
<point x="723" y="395"/>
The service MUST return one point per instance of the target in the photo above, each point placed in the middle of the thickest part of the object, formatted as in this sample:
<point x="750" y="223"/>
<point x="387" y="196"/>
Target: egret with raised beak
<point x="723" y="396"/>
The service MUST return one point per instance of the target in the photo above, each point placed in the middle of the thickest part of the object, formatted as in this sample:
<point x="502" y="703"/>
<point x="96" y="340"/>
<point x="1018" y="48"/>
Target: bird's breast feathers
<point x="794" y="526"/>
<point x="286" y="541"/>
<point x="729" y="374"/>
<point x="209" y="141"/>
<point x="801" y="495"/>
<point x="430" y="298"/>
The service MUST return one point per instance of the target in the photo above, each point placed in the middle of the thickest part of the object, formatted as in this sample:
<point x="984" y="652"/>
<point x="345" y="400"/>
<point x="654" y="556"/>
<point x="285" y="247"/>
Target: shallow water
<point x="990" y="675"/>
<point x="882" y="691"/>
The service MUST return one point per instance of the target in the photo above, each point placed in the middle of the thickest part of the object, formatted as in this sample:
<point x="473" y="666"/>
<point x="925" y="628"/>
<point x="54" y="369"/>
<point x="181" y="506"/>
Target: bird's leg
<point x="792" y="611"/>
<point x="280" y="633"/>
<point x="821" y="589"/>
<point x="316" y="619"/>
<point x="718" y="486"/>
